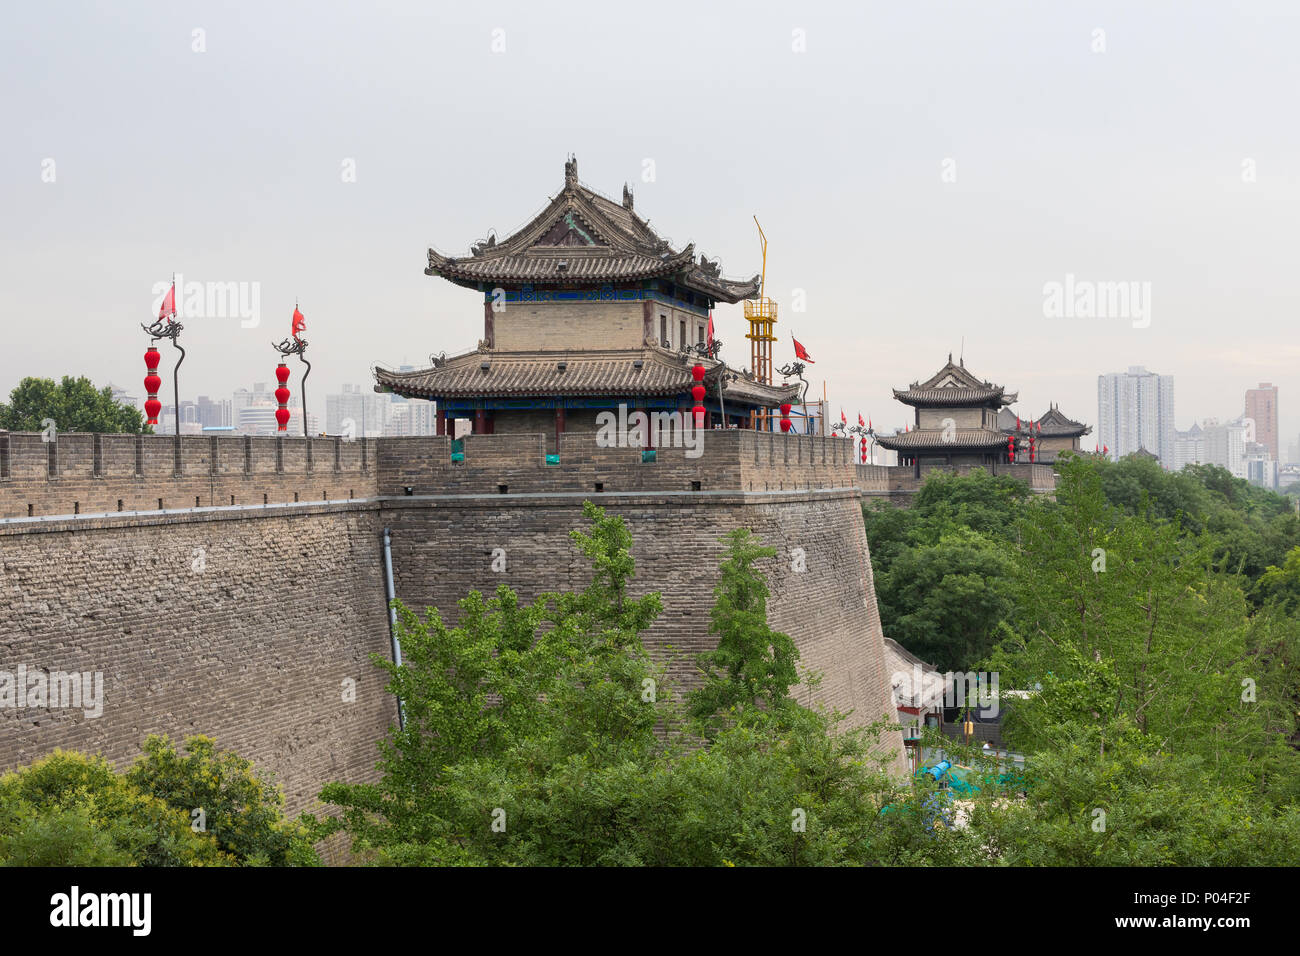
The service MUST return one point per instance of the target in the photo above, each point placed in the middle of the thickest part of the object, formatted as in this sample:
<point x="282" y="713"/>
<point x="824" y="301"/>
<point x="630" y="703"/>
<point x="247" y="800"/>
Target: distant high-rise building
<point x="213" y="414"/>
<point x="1189" y="447"/>
<point x="1261" y="406"/>
<point x="361" y="414"/>
<point x="1262" y="470"/>
<point x="1225" y="446"/>
<point x="412" y="416"/>
<point x="1135" y="412"/>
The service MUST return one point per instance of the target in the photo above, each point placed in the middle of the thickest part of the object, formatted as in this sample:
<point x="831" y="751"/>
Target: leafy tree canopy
<point x="75" y="405"/>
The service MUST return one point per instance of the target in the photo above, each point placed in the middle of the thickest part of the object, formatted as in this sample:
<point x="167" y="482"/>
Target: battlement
<point x="731" y="460"/>
<point x="80" y="473"/>
<point x="900" y="482"/>
<point x="76" y="473"/>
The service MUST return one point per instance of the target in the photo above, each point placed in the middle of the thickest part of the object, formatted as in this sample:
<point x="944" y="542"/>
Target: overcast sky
<point x="1162" y="150"/>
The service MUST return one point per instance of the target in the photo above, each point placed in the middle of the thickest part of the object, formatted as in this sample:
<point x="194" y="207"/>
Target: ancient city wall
<point x="242" y="621"/>
<point x="797" y="493"/>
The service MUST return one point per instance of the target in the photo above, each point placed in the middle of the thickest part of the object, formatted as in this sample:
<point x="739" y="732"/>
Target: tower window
<point x="663" y="330"/>
<point x="682" y="330"/>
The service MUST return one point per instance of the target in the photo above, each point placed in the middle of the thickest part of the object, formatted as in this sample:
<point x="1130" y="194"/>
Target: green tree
<point x="75" y="405"/>
<point x="47" y="807"/>
<point x="946" y="602"/>
<point x="752" y="664"/>
<point x="242" y="812"/>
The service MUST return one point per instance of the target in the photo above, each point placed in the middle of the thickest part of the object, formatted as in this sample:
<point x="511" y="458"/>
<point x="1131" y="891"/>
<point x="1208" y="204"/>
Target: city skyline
<point x="932" y="219"/>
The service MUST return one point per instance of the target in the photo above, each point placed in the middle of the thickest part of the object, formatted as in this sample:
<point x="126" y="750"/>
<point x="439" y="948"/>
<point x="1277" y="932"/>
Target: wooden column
<point x="559" y="426"/>
<point x="440" y="422"/>
<point x="480" y="421"/>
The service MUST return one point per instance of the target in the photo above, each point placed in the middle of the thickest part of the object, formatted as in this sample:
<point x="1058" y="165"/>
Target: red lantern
<point x="698" y="372"/>
<point x="698" y="392"/>
<point x="282" y="396"/>
<point x="151" y="385"/>
<point x="786" y="424"/>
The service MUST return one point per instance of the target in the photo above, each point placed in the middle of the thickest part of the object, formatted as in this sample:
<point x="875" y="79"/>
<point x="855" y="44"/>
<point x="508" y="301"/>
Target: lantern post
<point x="161" y="329"/>
<point x="293" y="345"/>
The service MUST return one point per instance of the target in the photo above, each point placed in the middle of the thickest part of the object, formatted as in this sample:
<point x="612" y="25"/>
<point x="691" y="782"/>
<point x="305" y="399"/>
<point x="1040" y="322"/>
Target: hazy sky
<point x="1129" y="165"/>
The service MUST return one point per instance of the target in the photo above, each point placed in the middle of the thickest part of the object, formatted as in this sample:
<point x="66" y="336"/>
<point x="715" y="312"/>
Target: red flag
<point x="1105" y="449"/>
<point x="299" y="323"/>
<point x="868" y="423"/>
<point x="843" y="420"/>
<point x="168" y="303"/>
<point x="800" y="351"/>
<point x="860" y="422"/>
<point x="1017" y="423"/>
<point x="709" y="333"/>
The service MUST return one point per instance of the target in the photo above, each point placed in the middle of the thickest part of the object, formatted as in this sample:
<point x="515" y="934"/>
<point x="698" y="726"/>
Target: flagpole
<point x="176" y="372"/>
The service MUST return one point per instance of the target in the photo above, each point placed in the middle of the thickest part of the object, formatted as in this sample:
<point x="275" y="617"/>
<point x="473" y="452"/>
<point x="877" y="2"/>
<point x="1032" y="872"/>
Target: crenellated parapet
<point x="81" y="473"/>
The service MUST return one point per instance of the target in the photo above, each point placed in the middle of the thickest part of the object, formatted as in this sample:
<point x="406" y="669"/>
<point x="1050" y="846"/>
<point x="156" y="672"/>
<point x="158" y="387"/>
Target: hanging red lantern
<point x="698" y="392"/>
<point x="151" y="385"/>
<point x="786" y="424"/>
<point x="282" y="396"/>
<point x="864" y="450"/>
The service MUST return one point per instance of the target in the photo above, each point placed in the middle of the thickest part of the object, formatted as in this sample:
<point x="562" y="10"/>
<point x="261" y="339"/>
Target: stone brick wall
<point x="240" y="624"/>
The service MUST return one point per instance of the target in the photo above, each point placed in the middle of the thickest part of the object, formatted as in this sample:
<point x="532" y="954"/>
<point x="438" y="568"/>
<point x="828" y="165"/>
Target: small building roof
<point x="953" y="385"/>
<point x="1056" y="425"/>
<point x="582" y="238"/>
<point x="961" y="438"/>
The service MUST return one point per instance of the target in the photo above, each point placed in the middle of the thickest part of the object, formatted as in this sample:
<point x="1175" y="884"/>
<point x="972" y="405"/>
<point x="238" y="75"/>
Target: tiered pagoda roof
<point x="582" y="238"/>
<point x="590" y="372"/>
<point x="952" y="386"/>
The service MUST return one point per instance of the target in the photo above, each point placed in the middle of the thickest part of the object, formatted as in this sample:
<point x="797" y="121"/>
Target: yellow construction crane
<point x="761" y="315"/>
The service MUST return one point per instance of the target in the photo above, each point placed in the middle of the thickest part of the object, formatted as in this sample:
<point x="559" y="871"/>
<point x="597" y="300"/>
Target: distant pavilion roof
<point x="1057" y="425"/>
<point x="951" y="386"/>
<point x="590" y="372"/>
<point x="582" y="238"/>
<point x="926" y="438"/>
